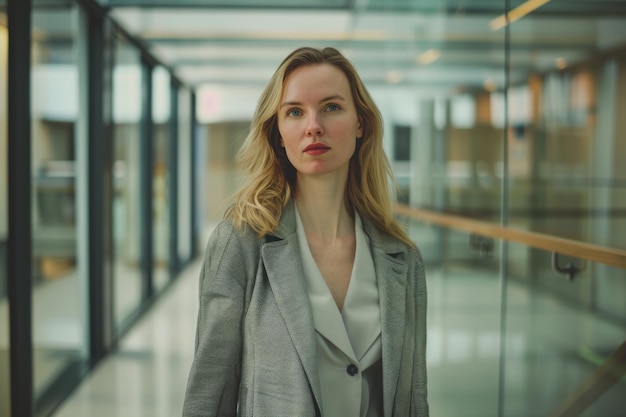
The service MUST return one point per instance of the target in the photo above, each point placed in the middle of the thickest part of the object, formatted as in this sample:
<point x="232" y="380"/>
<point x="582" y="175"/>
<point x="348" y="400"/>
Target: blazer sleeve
<point x="419" y="404"/>
<point x="213" y="383"/>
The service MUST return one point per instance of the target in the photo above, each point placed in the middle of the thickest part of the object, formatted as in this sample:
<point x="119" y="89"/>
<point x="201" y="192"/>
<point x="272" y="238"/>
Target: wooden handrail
<point x="582" y="250"/>
<point x="603" y="378"/>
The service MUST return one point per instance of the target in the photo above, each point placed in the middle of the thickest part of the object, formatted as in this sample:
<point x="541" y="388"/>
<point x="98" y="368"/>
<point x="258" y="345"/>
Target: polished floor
<point x="148" y="373"/>
<point x="550" y="349"/>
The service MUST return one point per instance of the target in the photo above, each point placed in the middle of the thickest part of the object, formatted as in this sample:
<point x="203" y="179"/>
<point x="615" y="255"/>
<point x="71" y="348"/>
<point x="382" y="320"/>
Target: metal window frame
<point x="146" y="165"/>
<point x="172" y="181"/>
<point x="19" y="248"/>
<point x="100" y="190"/>
<point x="194" y="213"/>
<point x="102" y="335"/>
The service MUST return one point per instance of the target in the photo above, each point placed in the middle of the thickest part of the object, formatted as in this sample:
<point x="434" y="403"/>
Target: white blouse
<point x="348" y="342"/>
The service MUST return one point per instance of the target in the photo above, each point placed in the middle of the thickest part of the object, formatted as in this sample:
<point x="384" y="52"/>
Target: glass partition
<point x="448" y="156"/>
<point x="58" y="115"/>
<point x="527" y="134"/>
<point x="126" y="133"/>
<point x="5" y="376"/>
<point x="463" y="344"/>
<point x="161" y="116"/>
<point x="527" y="350"/>
<point x="566" y="134"/>
<point x="566" y="179"/>
<point x="555" y="346"/>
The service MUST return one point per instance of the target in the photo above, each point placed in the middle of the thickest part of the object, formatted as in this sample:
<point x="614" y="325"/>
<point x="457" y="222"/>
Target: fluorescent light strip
<point x="516" y="14"/>
<point x="428" y="57"/>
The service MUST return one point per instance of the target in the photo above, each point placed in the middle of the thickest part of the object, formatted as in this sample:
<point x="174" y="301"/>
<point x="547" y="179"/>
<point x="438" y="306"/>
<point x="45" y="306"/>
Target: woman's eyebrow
<point x="334" y="97"/>
<point x="329" y="98"/>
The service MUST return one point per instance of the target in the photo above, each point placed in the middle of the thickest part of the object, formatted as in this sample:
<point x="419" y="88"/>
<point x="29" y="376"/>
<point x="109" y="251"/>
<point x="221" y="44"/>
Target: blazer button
<point x="352" y="370"/>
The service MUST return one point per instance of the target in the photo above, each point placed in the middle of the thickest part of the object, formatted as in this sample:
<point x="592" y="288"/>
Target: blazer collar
<point x="281" y="257"/>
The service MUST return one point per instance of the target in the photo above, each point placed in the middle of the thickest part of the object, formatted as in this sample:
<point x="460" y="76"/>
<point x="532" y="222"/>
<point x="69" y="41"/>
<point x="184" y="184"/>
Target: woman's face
<point x="317" y="120"/>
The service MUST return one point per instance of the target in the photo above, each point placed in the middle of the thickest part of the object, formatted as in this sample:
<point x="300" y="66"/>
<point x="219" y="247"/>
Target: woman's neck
<point x="322" y="208"/>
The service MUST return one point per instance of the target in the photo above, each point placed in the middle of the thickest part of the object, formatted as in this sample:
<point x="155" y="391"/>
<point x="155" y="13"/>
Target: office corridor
<point x="120" y="122"/>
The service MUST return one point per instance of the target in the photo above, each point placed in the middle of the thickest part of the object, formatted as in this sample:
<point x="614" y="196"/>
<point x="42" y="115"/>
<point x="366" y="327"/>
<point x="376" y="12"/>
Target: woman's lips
<point x="316" y="149"/>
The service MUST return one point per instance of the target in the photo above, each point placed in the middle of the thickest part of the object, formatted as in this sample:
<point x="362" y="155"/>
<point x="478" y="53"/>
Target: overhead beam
<point x="586" y="8"/>
<point x="235" y="4"/>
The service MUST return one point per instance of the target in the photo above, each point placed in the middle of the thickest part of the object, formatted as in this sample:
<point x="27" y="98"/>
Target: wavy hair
<point x="271" y="178"/>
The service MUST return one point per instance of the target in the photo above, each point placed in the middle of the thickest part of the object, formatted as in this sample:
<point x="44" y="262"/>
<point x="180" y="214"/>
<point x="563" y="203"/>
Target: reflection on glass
<point x="59" y="288"/>
<point x="463" y="321"/>
<point x="126" y="181"/>
<point x="564" y="148"/>
<point x="543" y="144"/>
<point x="566" y="178"/>
<point x="447" y="157"/>
<point x="5" y="386"/>
<point x="161" y="114"/>
<point x="554" y="347"/>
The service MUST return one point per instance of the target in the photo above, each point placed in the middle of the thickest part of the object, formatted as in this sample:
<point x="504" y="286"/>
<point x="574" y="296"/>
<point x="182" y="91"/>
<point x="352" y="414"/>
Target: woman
<point x="312" y="297"/>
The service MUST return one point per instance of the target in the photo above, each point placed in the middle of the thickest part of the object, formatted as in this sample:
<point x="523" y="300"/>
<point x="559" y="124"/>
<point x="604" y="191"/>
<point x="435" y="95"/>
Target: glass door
<point x="161" y="131"/>
<point x="126" y="134"/>
<point x="59" y="281"/>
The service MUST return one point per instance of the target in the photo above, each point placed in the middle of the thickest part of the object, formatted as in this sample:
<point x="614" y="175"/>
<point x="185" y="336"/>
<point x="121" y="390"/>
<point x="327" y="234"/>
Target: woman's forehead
<point x="318" y="80"/>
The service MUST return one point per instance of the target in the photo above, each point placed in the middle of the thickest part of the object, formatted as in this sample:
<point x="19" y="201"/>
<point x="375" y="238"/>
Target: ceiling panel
<point x="243" y="41"/>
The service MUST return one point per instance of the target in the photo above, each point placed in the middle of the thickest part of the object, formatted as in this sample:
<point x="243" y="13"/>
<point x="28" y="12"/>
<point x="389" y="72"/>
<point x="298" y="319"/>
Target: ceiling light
<point x="428" y="57"/>
<point x="489" y="85"/>
<point x="516" y="14"/>
<point x="393" y="77"/>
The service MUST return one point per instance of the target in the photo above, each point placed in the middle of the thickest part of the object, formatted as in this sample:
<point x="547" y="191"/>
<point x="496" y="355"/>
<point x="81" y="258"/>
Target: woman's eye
<point x="293" y="113"/>
<point x="332" y="107"/>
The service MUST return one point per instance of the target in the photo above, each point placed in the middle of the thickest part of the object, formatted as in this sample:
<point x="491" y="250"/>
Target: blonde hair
<point x="271" y="179"/>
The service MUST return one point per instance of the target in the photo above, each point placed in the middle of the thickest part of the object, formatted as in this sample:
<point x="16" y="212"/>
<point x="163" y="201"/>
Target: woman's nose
<point x="314" y="127"/>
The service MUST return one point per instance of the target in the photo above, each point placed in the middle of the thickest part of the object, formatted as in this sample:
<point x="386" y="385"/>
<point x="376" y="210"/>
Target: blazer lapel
<point x="286" y="277"/>
<point x="285" y="274"/>
<point x="391" y="269"/>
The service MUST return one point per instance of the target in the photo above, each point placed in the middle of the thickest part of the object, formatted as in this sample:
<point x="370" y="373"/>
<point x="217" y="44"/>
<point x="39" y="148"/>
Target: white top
<point x="348" y="342"/>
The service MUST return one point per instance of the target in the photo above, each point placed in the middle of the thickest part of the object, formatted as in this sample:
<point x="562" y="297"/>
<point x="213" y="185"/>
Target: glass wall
<point x="448" y="157"/>
<point x="5" y="386"/>
<point x="160" y="135"/>
<point x="533" y="144"/>
<point x="566" y="139"/>
<point x="58" y="115"/>
<point x="566" y="135"/>
<point x="69" y="292"/>
<point x="126" y="134"/>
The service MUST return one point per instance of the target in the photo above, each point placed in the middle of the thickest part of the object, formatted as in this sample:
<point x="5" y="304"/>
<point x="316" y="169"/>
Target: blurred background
<point x="504" y="124"/>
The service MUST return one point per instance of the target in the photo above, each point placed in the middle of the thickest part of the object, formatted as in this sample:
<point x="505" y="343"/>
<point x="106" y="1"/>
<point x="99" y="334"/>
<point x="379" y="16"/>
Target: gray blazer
<point x="255" y="351"/>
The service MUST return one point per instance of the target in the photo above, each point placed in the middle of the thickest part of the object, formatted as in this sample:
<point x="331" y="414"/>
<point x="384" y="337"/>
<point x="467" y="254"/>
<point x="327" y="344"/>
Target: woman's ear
<point x="359" y="128"/>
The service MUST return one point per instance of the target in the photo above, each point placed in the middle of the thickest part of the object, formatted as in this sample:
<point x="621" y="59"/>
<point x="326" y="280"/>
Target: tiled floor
<point x="545" y="353"/>
<point x="147" y="375"/>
